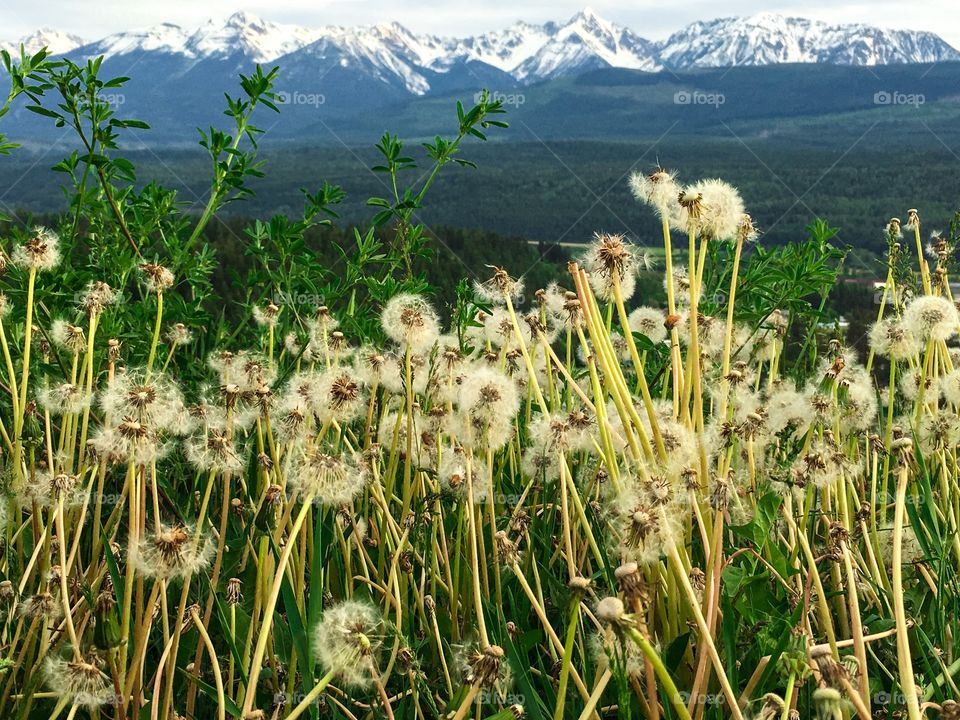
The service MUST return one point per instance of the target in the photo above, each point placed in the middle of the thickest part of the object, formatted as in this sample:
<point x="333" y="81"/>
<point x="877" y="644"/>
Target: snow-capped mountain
<point x="336" y="74"/>
<point x="504" y="49"/>
<point x="767" y="38"/>
<point x="55" y="41"/>
<point x="391" y="54"/>
<point x="587" y="41"/>
<point x="165" y="39"/>
<point x="257" y="39"/>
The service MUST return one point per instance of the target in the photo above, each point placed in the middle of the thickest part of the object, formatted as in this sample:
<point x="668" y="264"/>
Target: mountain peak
<point x="588" y="13"/>
<point x="56" y="41"/>
<point x="242" y="18"/>
<point x="388" y="52"/>
<point x="588" y="17"/>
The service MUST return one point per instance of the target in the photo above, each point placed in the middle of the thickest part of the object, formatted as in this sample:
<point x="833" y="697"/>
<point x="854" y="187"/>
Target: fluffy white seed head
<point x="611" y="260"/>
<point x="892" y="338"/>
<point x="713" y="208"/>
<point x="330" y="479"/>
<point x="649" y="321"/>
<point x="658" y="189"/>
<point x="41" y="252"/>
<point x="78" y="682"/>
<point x="171" y="552"/>
<point x="348" y="641"/>
<point x="409" y="321"/>
<point x="930" y="317"/>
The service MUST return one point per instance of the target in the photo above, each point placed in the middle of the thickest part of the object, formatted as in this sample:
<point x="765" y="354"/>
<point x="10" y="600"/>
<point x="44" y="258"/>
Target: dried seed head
<point x="630" y="580"/>
<point x="894" y="230"/>
<point x="179" y="334"/>
<point x="234" y="591"/>
<point x="484" y="667"/>
<point x="156" y="277"/>
<point x="266" y="316"/>
<point x="913" y="219"/>
<point x="610" y="610"/>
<point x="509" y="553"/>
<point x="746" y="232"/>
<point x="96" y="297"/>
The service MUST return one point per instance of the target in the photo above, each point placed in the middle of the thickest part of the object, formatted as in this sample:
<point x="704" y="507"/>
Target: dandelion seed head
<point x="912" y="382"/>
<point x="63" y="398"/>
<point x="348" y="641"/>
<point x="212" y="449"/>
<point x="266" y="315"/>
<point x="892" y="338"/>
<point x="609" y="262"/>
<point x="40" y="605"/>
<point x="498" y="288"/>
<point x="649" y="322"/>
<point x="930" y="317"/>
<point x="80" y="682"/>
<point x="67" y="336"/>
<point x="659" y="189"/>
<point x="154" y="400"/>
<point x="41" y="252"/>
<point x="171" y="552"/>
<point x="409" y="321"/>
<point x="488" y="394"/>
<point x="96" y="297"/>
<point x="338" y="396"/>
<point x="331" y="480"/>
<point x="156" y="277"/>
<point x="179" y="335"/>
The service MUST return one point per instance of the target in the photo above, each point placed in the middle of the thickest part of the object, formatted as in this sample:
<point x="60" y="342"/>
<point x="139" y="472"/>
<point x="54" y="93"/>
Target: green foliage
<point x="115" y="223"/>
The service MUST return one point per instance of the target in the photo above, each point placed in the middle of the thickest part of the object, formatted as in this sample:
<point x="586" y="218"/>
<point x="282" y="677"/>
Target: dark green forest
<point x="562" y="192"/>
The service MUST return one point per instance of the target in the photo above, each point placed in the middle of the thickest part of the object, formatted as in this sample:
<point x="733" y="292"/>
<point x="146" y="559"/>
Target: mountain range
<point x="524" y="51"/>
<point x="332" y="73"/>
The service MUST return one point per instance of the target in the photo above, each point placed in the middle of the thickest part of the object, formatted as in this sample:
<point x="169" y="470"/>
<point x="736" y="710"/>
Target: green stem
<point x="673" y="695"/>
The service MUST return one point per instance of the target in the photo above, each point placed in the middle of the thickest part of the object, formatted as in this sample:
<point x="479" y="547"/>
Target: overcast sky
<point x="650" y="18"/>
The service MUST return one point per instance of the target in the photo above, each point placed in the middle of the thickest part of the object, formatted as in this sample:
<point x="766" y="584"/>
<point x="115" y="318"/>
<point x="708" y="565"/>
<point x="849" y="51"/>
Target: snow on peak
<point x="165" y="38"/>
<point x="766" y="38"/>
<point x="56" y="42"/>
<point x="259" y="40"/>
<point x="587" y="41"/>
<point x="529" y="52"/>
